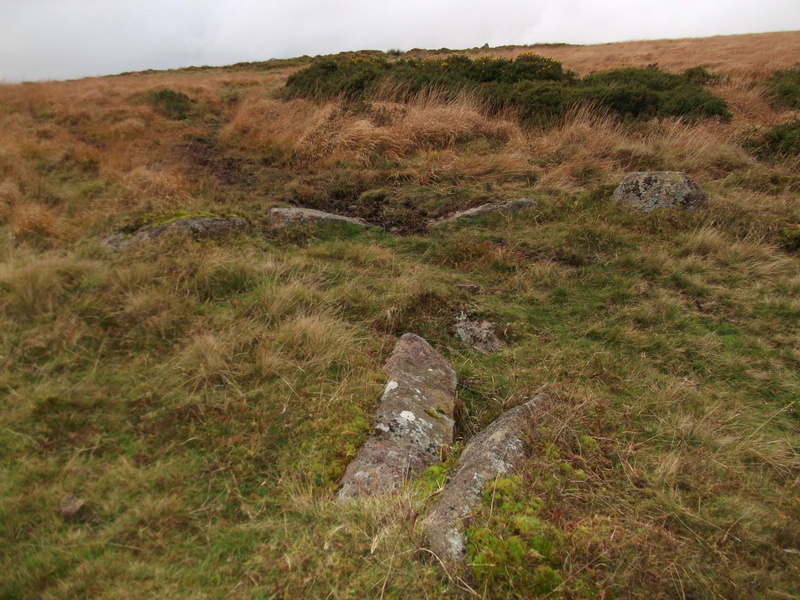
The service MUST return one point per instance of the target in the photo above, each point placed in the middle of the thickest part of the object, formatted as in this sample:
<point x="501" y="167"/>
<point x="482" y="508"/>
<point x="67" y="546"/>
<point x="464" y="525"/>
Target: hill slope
<point x="204" y="397"/>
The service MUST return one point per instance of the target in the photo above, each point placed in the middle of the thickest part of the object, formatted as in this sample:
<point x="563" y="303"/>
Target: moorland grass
<point x="204" y="397"/>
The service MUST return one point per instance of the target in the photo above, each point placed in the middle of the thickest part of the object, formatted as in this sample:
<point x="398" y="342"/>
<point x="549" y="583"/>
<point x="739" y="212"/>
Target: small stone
<point x="485" y="209"/>
<point x="479" y="335"/>
<point x="470" y="288"/>
<point x="199" y="227"/>
<point x="285" y="217"/>
<point x="71" y="507"/>
<point x="648" y="190"/>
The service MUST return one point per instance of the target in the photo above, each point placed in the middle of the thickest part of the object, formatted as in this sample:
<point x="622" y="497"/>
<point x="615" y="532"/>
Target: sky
<point x="64" y="39"/>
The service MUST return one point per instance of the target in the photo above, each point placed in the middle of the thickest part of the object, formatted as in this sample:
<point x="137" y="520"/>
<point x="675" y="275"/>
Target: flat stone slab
<point x="285" y="217"/>
<point x="414" y="420"/>
<point x="199" y="227"/>
<point x="495" y="451"/>
<point x="484" y="209"/>
<point x="648" y="190"/>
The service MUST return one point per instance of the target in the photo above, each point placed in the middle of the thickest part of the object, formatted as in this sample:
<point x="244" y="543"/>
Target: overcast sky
<point x="59" y="39"/>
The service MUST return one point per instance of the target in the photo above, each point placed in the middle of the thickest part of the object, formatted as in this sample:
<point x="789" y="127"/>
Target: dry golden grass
<point x="753" y="56"/>
<point x="102" y="129"/>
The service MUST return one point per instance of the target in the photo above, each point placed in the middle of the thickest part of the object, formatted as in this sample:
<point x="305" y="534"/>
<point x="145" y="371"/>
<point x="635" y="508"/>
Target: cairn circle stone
<point x="285" y="217"/>
<point x="480" y="335"/>
<point x="649" y="190"/>
<point x="71" y="507"/>
<point x="199" y="227"/>
<point x="495" y="451"/>
<point x="413" y="422"/>
<point x="485" y="209"/>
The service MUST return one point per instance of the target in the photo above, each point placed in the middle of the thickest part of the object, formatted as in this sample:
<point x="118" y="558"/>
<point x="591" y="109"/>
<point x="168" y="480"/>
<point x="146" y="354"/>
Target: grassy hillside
<point x="204" y="397"/>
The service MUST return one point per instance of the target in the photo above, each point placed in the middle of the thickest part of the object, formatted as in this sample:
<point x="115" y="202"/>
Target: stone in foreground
<point x="648" y="190"/>
<point x="484" y="209"/>
<point x="198" y="227"/>
<point x="285" y="217"/>
<point x="413" y="422"/>
<point x="494" y="451"/>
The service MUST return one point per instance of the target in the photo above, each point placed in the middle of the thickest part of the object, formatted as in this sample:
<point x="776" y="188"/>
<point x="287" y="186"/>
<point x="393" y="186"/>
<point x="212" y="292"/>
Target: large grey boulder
<point x="413" y="421"/>
<point x="199" y="227"/>
<point x="485" y="209"/>
<point x="495" y="451"/>
<point x="284" y="217"/>
<point x="649" y="190"/>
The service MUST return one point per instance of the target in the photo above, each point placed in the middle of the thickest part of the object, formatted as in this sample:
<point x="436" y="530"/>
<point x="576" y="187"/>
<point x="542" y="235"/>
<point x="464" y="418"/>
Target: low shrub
<point x="171" y="104"/>
<point x="651" y="92"/>
<point x="783" y="88"/>
<point x="701" y="75"/>
<point x="778" y="142"/>
<point x="536" y="87"/>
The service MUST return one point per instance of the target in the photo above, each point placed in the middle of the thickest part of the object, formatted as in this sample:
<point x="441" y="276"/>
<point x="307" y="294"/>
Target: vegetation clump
<point x="538" y="88"/>
<point x="171" y="104"/>
<point x="783" y="87"/>
<point x="779" y="141"/>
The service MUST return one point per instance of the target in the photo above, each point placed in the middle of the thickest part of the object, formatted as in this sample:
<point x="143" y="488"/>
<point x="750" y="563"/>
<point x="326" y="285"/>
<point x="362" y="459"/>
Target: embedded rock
<point x="72" y="508"/>
<point x="479" y="335"/>
<point x="495" y="451"/>
<point x="198" y="227"/>
<point x="470" y="288"/>
<point x="284" y="217"/>
<point x="484" y="209"/>
<point x="648" y="190"/>
<point x="413" y="421"/>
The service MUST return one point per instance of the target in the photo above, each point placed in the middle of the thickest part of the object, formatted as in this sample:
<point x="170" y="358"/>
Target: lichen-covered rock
<point x="284" y="217"/>
<point x="485" y="209"/>
<point x="649" y="190"/>
<point x="479" y="335"/>
<point x="413" y="421"/>
<point x="494" y="451"/>
<point x="198" y="227"/>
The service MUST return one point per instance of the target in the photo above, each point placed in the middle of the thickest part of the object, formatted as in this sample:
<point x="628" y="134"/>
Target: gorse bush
<point x="784" y="88"/>
<point x="536" y="87"/>
<point x="701" y="75"/>
<point x="651" y="92"/>
<point x="780" y="141"/>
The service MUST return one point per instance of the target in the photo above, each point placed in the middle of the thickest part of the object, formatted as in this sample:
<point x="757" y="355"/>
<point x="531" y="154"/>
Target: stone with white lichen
<point x="414" y="420"/>
<point x="648" y="190"/>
